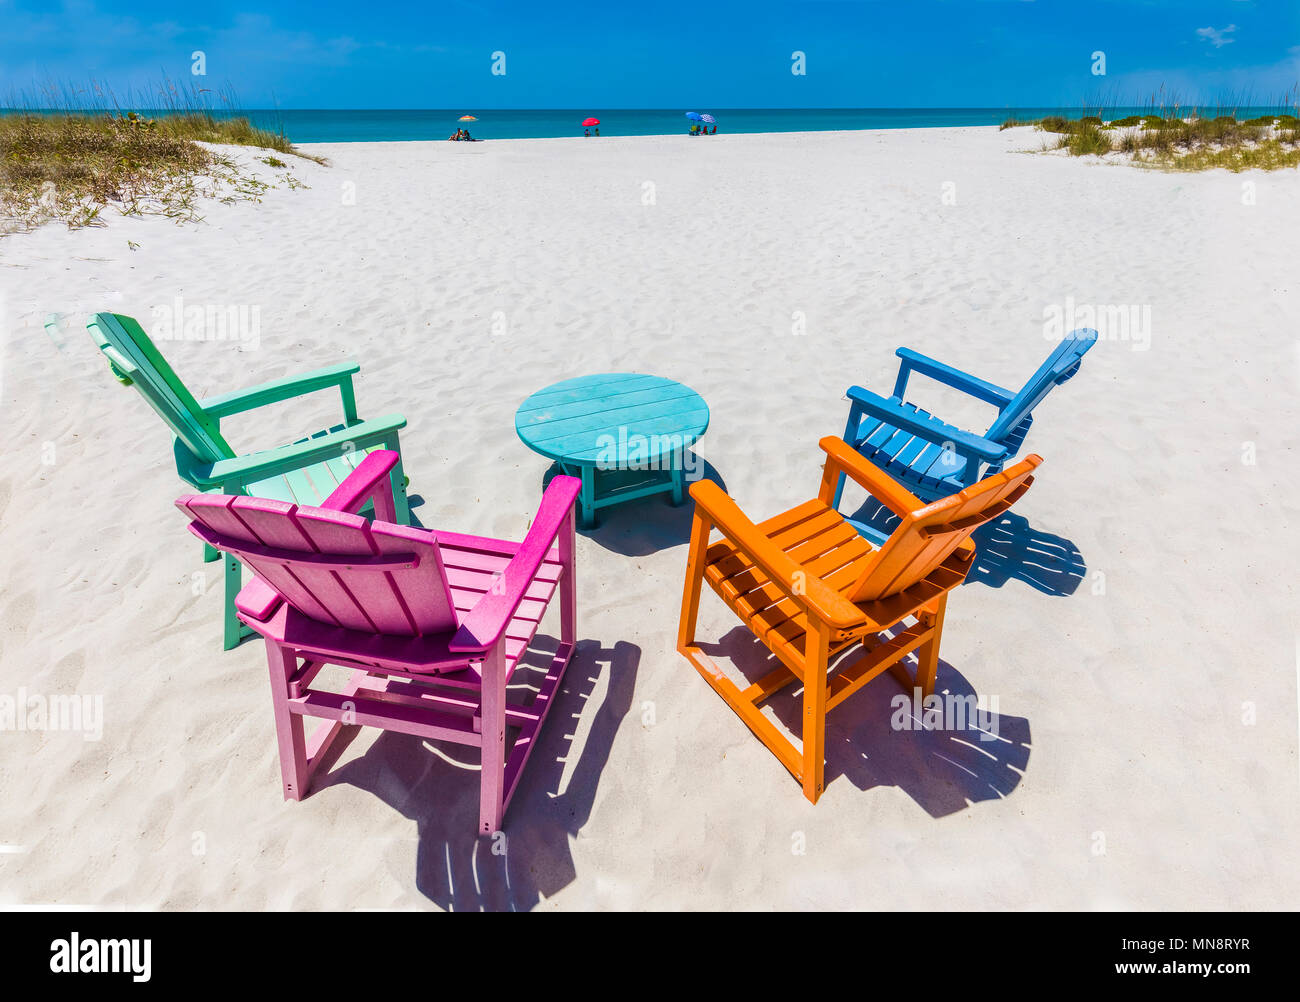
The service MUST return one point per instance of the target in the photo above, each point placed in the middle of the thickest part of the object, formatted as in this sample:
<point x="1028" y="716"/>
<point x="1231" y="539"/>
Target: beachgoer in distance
<point x="598" y="130"/>
<point x="586" y="133"/>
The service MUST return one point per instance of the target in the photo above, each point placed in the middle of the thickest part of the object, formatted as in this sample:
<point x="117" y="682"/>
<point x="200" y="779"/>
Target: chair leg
<point x="210" y="555"/>
<point x="397" y="477"/>
<point x="839" y="491"/>
<point x="283" y="661"/>
<point x="816" y="658"/>
<point x="927" y="654"/>
<point x="700" y="529"/>
<point x="492" y="731"/>
<point x="234" y="580"/>
<point x="588" y="497"/>
<point x="851" y="437"/>
<point x="568" y="585"/>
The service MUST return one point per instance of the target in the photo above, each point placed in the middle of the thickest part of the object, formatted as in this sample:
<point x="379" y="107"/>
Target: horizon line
<point x="675" y="110"/>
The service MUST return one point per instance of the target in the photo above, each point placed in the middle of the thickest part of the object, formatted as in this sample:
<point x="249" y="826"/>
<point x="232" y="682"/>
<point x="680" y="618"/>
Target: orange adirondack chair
<point x="810" y="587"/>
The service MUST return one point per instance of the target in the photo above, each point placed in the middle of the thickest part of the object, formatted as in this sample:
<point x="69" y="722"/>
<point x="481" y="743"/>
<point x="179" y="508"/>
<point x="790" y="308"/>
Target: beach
<point x="1137" y="640"/>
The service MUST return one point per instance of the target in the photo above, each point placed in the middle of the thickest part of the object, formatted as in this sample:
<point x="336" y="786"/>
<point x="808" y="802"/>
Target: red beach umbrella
<point x="587" y="123"/>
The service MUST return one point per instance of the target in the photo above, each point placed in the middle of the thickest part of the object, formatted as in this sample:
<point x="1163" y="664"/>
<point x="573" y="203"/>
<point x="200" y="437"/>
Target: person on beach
<point x="598" y="130"/>
<point x="586" y="133"/>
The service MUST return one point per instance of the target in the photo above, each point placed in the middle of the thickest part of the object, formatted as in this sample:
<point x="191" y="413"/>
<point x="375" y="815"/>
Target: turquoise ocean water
<point x="357" y="126"/>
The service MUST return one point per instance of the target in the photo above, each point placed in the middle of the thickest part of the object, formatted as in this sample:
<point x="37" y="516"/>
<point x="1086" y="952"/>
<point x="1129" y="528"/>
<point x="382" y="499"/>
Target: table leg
<point x="588" y="497"/>
<point x="679" y="478"/>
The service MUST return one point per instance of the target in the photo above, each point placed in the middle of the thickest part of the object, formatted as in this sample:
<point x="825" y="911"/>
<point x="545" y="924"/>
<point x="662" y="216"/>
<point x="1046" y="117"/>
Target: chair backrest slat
<point x="233" y="529"/>
<point x="374" y="562"/>
<point x="127" y="347"/>
<point x="424" y="615"/>
<point x="925" y="538"/>
<point x="390" y="579"/>
<point x="1061" y="364"/>
<point x="345" y="534"/>
<point x="377" y="599"/>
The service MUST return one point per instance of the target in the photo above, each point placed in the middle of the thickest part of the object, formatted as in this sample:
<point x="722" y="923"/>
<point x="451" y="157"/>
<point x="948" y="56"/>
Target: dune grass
<point x="68" y="157"/>
<point x="1172" y="136"/>
<point x="1270" y="154"/>
<point x="1086" y="137"/>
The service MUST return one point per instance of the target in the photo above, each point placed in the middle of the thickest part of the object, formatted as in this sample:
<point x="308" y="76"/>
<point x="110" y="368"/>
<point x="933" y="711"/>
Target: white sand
<point x="1121" y="713"/>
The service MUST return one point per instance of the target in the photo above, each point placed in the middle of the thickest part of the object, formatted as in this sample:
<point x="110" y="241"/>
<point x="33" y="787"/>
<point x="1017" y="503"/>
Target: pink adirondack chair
<point x="432" y="623"/>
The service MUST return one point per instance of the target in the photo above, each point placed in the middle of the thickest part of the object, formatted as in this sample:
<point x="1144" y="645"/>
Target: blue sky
<point x="609" y="54"/>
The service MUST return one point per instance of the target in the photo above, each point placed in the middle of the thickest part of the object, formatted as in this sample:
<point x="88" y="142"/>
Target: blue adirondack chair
<point x="303" y="472"/>
<point x="932" y="458"/>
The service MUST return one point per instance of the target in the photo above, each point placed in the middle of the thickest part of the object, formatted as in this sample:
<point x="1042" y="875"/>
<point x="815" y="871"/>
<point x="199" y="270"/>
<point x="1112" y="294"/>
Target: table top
<point x="580" y="420"/>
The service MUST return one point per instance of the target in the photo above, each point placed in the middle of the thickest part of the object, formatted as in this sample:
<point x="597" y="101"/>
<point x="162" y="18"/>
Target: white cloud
<point x="1218" y="37"/>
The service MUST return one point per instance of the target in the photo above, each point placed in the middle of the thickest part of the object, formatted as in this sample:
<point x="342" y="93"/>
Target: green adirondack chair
<point x="304" y="472"/>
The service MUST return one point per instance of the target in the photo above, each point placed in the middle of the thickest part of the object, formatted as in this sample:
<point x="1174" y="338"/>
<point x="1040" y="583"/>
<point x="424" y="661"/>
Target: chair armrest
<point x="843" y="458"/>
<point x="914" y="361"/>
<point x="483" y="627"/>
<point x="260" y="465"/>
<point x="370" y="479"/>
<point x="121" y="367"/>
<point x="807" y="591"/>
<point x="276" y="390"/>
<point x="258" y="599"/>
<point x="929" y="428"/>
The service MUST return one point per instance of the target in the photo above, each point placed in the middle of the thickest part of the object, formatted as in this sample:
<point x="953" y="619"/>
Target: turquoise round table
<point x="624" y="435"/>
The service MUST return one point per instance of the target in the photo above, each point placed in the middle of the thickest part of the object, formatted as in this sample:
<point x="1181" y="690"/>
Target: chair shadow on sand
<point x="876" y="739"/>
<point x="455" y="868"/>
<point x="645" y="525"/>
<point x="414" y="501"/>
<point x="1006" y="549"/>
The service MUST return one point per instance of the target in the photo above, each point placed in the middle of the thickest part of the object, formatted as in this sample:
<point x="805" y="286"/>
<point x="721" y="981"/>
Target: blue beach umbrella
<point x="694" y="116"/>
